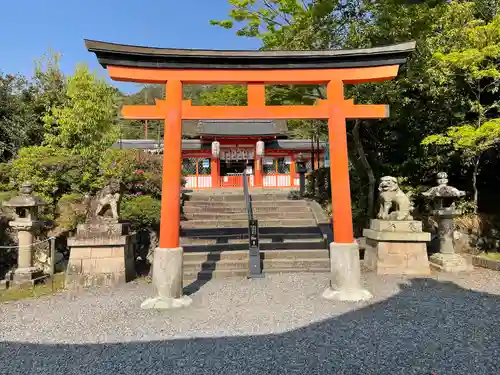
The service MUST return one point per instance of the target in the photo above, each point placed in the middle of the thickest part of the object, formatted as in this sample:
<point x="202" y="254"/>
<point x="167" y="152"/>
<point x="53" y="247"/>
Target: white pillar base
<point x="167" y="280"/>
<point x="345" y="268"/>
<point x="162" y="303"/>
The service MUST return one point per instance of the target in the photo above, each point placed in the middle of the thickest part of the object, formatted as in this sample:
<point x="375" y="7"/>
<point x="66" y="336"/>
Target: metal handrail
<point x="248" y="200"/>
<point x="253" y="234"/>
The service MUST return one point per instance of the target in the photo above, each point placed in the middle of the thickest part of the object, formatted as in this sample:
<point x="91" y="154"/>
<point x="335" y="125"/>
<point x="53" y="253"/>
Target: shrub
<point x="53" y="171"/>
<point x="71" y="210"/>
<point x="141" y="211"/>
<point x="117" y="165"/>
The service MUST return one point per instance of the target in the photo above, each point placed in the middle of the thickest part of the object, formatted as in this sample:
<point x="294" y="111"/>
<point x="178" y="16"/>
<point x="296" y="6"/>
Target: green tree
<point x="420" y="104"/>
<point x="471" y="62"/>
<point x="86" y="122"/>
<point x="16" y="115"/>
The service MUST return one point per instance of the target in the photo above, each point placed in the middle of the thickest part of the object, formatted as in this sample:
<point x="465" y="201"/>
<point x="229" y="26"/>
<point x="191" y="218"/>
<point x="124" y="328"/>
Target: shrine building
<point x="215" y="153"/>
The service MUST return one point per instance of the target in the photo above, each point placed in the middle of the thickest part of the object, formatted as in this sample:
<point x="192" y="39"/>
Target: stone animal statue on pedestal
<point x="393" y="198"/>
<point x="106" y="199"/>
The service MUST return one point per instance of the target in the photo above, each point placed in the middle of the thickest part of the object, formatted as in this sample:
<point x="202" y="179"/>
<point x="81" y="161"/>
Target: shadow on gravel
<point x="428" y="327"/>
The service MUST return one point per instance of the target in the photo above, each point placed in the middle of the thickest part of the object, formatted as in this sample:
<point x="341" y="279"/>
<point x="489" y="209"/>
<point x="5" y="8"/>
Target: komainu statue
<point x="394" y="204"/>
<point x="106" y="199"/>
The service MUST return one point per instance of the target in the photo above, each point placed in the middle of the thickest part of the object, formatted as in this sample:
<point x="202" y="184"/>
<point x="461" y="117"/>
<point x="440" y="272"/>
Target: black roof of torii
<point x="153" y="57"/>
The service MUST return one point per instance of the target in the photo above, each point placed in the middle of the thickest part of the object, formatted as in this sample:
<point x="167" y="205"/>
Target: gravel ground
<point x="446" y="324"/>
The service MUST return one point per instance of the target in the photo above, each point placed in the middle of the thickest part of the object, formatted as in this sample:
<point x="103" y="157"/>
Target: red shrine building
<point x="215" y="153"/>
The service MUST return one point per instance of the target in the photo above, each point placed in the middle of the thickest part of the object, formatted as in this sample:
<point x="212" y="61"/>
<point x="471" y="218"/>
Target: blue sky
<point x="30" y="28"/>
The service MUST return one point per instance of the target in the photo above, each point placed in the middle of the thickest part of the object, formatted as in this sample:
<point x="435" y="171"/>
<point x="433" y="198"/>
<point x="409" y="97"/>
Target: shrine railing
<point x="253" y="234"/>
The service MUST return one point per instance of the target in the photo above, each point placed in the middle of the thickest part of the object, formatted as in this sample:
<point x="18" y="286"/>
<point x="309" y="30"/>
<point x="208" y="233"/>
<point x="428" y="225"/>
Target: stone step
<point x="241" y="255"/>
<point x="282" y="204"/>
<point x="239" y="240"/>
<point x="278" y="233"/>
<point x="244" y="223"/>
<point x="237" y="197"/>
<point x="190" y="277"/>
<point x="319" y="244"/>
<point x="297" y="264"/>
<point x="244" y="216"/>
<point x="287" y="210"/>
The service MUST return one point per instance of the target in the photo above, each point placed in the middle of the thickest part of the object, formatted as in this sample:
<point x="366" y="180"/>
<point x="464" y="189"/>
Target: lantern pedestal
<point x="25" y="207"/>
<point x="444" y="197"/>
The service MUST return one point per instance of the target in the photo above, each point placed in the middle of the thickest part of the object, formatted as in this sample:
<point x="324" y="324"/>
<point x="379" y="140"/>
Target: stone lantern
<point x="444" y="197"/>
<point x="25" y="207"/>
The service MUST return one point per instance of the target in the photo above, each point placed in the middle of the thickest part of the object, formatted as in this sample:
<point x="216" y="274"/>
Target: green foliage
<point x="117" y="165"/>
<point x="470" y="141"/>
<point x="16" y="114"/>
<point x="141" y="211"/>
<point x="224" y="95"/>
<point x="434" y="90"/>
<point x="85" y="124"/>
<point x="51" y="170"/>
<point x="70" y="211"/>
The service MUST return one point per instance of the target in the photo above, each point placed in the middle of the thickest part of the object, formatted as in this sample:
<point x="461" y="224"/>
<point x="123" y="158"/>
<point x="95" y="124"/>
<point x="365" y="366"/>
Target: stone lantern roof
<point x="25" y="198"/>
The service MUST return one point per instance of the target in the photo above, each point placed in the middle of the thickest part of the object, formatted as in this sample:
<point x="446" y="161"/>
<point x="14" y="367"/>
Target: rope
<point x="33" y="244"/>
<point x="48" y="239"/>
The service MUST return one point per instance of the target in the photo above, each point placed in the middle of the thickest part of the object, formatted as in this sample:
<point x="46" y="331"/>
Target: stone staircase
<point x="214" y="234"/>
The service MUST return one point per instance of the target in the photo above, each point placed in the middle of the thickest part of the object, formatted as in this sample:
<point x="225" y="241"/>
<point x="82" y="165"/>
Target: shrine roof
<point x="196" y="144"/>
<point x="153" y="57"/>
<point x="232" y="128"/>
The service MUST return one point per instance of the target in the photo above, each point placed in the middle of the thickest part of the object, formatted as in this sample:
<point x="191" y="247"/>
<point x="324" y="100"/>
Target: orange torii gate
<point x="175" y="67"/>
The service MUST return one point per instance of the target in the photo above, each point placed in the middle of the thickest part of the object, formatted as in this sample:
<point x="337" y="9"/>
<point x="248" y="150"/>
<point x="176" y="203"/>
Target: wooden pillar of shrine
<point x="172" y="154"/>
<point x="339" y="165"/>
<point x="215" y="173"/>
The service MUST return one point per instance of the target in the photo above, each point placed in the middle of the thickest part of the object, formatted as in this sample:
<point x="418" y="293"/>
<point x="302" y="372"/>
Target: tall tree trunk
<point x="312" y="152"/>
<point x="474" y="183"/>
<point x="317" y="147"/>
<point x="367" y="167"/>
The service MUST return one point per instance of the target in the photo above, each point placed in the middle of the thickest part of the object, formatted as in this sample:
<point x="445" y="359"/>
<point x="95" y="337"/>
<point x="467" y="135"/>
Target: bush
<point x="53" y="171"/>
<point x="71" y="210"/>
<point x="5" y="176"/>
<point x="141" y="211"/>
<point x="117" y="165"/>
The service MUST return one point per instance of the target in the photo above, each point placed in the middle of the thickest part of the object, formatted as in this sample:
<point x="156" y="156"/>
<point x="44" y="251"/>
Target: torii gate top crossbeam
<point x="168" y="58"/>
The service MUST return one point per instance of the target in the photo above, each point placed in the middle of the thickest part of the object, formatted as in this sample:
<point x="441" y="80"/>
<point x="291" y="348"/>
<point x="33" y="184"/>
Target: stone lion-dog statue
<point x="106" y="199"/>
<point x="393" y="198"/>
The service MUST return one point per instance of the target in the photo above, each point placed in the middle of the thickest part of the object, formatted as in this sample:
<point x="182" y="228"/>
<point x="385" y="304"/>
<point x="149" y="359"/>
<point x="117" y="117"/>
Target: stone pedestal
<point x="396" y="247"/>
<point x="100" y="254"/>
<point x="23" y="276"/>
<point x="25" y="273"/>
<point x="345" y="282"/>
<point x="447" y="260"/>
<point x="167" y="280"/>
<point x="450" y="262"/>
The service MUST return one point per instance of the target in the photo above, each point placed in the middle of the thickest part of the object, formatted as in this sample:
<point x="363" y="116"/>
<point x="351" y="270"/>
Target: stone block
<point x="396" y="258"/>
<point x="396" y="226"/>
<point x="385" y="236"/>
<point x="102" y="229"/>
<point x="109" y="265"/>
<point x="110" y="262"/>
<point x="80" y="252"/>
<point x="98" y="241"/>
<point x="88" y="265"/>
<point x="484" y="262"/>
<point x="4" y="284"/>
<point x="102" y="252"/>
<point x="450" y="262"/>
<point x="24" y="276"/>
